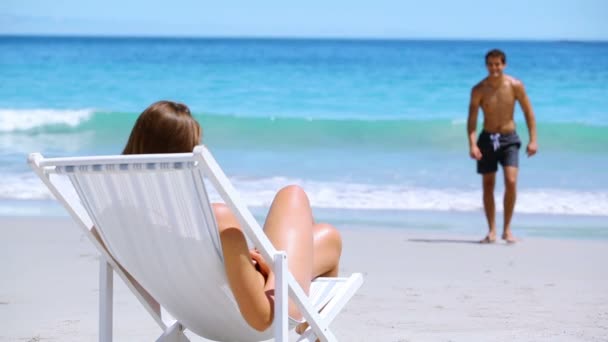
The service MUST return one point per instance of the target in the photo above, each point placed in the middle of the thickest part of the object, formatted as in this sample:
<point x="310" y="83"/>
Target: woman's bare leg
<point x="327" y="250"/>
<point x="326" y="256"/>
<point x="289" y="227"/>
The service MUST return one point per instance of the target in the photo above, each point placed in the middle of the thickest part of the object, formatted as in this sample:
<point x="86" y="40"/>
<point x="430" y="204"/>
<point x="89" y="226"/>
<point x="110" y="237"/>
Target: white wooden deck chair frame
<point x="318" y="317"/>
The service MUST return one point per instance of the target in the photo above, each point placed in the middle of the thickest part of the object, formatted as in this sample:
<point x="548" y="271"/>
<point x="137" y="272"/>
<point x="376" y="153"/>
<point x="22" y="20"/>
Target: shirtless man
<point x="498" y="142"/>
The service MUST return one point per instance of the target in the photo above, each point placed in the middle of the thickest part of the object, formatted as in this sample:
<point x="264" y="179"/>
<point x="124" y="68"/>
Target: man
<point x="498" y="142"/>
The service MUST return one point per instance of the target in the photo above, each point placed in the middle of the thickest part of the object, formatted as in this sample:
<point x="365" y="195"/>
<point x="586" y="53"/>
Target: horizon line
<point x="278" y="37"/>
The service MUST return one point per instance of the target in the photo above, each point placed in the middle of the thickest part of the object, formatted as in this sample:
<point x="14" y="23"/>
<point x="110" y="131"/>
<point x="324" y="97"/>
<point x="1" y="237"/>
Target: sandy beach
<point x="419" y="286"/>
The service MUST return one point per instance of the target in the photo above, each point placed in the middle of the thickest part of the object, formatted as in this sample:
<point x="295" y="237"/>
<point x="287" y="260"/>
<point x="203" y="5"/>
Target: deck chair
<point x="153" y="214"/>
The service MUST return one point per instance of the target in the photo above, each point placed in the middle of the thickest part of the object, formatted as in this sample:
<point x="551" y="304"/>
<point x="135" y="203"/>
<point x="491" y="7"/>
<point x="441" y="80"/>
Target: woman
<point x="313" y="249"/>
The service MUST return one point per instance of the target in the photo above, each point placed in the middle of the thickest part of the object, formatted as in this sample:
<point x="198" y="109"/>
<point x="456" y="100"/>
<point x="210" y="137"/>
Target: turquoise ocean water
<point x="371" y="127"/>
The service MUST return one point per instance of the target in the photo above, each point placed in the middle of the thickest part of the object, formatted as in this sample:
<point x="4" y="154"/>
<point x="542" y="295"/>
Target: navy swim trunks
<point x="497" y="148"/>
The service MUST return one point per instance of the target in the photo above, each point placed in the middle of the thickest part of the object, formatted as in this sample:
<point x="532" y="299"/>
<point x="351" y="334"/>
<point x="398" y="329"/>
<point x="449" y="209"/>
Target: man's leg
<point x="510" y="173"/>
<point x="488" y="182"/>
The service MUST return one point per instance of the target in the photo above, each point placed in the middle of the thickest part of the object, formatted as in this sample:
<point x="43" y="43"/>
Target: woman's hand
<point x="259" y="263"/>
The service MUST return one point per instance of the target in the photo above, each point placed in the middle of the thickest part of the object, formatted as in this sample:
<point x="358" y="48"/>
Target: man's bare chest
<point x="503" y="97"/>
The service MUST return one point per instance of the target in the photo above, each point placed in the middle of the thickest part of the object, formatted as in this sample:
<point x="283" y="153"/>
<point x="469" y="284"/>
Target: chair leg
<point x="175" y="333"/>
<point x="281" y="298"/>
<point x="106" y="291"/>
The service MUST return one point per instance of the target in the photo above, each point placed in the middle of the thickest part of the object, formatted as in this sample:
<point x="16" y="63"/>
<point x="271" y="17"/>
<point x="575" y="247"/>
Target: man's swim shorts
<point x="497" y="148"/>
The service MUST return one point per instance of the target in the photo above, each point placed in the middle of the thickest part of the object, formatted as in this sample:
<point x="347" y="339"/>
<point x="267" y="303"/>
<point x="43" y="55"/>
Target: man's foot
<point x="490" y="238"/>
<point x="509" y="238"/>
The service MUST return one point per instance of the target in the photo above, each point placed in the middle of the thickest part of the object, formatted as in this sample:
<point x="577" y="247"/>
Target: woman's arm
<point x="246" y="283"/>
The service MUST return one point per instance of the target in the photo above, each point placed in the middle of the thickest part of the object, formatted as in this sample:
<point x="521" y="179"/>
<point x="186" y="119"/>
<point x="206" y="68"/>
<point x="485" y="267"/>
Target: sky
<point x="421" y="19"/>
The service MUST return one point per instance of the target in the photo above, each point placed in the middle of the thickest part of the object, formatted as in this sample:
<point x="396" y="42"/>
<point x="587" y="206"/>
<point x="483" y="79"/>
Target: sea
<point x="374" y="130"/>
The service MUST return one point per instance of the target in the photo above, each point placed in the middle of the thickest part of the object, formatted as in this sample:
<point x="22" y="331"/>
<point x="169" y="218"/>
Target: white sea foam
<point x="27" y="119"/>
<point x="395" y="197"/>
<point x="260" y="192"/>
<point x="22" y="187"/>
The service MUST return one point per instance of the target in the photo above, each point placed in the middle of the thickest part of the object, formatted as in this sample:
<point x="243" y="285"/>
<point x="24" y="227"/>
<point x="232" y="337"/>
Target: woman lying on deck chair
<point x="313" y="249"/>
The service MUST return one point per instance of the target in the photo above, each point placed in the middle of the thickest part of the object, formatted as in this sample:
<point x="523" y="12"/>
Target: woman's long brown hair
<point x="164" y="127"/>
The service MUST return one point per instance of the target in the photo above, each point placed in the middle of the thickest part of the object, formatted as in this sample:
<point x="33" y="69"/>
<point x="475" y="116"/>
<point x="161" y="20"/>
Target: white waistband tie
<point x="495" y="140"/>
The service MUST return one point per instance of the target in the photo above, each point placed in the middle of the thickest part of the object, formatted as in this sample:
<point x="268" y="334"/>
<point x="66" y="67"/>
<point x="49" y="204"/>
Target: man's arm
<point x="526" y="107"/>
<point x="474" y="104"/>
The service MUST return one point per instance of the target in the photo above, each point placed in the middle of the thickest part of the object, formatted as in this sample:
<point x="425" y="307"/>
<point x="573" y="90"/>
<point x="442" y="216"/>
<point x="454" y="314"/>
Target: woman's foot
<point x="301" y="328"/>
